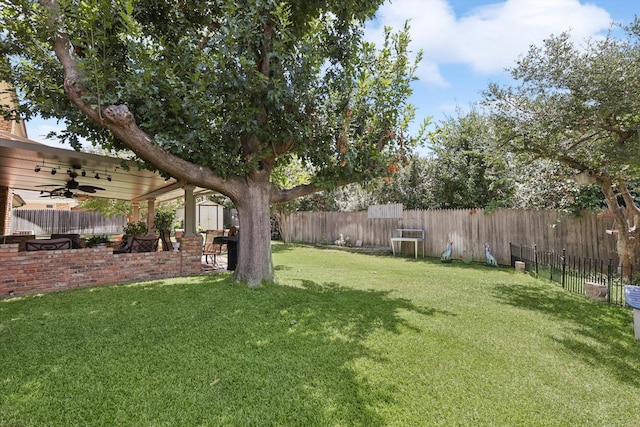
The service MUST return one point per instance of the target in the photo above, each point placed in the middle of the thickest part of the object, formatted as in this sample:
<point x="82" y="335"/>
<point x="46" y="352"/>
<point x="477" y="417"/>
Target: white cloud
<point x="488" y="38"/>
<point x="38" y="129"/>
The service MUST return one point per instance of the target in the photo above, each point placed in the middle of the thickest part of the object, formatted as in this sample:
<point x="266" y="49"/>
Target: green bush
<point x="135" y="228"/>
<point x="97" y="239"/>
<point x="164" y="220"/>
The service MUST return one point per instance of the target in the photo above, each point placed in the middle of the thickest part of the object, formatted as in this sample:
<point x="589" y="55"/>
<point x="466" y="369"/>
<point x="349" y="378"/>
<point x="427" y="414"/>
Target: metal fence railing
<point x="572" y="272"/>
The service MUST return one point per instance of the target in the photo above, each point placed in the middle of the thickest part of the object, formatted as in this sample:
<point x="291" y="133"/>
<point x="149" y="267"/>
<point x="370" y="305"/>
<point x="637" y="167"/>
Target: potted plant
<point x="135" y="229"/>
<point x="96" y="240"/>
<point x="131" y="229"/>
<point x="163" y="222"/>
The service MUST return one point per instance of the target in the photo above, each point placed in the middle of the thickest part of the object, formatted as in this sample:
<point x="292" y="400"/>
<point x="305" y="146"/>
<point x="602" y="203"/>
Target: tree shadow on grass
<point x="278" y="247"/>
<point x="206" y="351"/>
<point x="602" y="336"/>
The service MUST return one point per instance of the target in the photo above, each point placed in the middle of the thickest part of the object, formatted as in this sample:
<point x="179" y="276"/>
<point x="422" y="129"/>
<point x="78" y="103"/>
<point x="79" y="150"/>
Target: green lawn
<point x="342" y="339"/>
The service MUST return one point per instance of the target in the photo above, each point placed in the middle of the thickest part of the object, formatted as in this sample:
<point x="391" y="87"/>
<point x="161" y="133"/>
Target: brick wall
<point x="23" y="273"/>
<point x="6" y="125"/>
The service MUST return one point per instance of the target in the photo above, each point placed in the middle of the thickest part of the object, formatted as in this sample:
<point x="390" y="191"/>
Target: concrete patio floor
<point x="220" y="265"/>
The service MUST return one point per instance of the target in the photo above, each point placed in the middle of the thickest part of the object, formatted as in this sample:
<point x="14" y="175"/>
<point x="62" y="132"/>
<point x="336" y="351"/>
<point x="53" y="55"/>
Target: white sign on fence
<point x="385" y="211"/>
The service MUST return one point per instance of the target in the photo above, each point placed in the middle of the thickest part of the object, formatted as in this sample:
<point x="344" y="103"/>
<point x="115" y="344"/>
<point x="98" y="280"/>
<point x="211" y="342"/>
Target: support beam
<point x="5" y="211"/>
<point x="189" y="211"/>
<point x="136" y="211"/>
<point x="151" y="213"/>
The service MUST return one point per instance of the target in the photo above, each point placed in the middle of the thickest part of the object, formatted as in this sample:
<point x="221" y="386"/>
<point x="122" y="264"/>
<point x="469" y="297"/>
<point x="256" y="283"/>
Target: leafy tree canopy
<point x="230" y="85"/>
<point x="466" y="171"/>
<point x="579" y="105"/>
<point x="215" y="93"/>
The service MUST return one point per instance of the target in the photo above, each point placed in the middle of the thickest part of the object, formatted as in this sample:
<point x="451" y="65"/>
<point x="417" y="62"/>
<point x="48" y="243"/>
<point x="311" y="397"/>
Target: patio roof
<point x="19" y="158"/>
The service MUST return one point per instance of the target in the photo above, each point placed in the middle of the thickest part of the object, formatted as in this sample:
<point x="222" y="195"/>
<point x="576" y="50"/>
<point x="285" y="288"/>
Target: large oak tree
<point x="217" y="93"/>
<point x="579" y="105"/>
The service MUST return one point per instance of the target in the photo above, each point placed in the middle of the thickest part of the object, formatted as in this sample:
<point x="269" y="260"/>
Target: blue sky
<point x="468" y="43"/>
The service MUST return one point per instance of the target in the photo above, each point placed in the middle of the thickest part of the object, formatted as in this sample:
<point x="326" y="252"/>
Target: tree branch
<point x="120" y="121"/>
<point x="622" y="135"/>
<point x="205" y="39"/>
<point x="278" y="195"/>
<point x="581" y="140"/>
<point x="633" y="212"/>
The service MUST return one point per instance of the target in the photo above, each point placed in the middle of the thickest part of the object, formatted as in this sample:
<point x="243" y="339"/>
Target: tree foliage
<point x="466" y="173"/>
<point x="215" y="93"/>
<point x="108" y="207"/>
<point x="579" y="105"/>
<point x="413" y="185"/>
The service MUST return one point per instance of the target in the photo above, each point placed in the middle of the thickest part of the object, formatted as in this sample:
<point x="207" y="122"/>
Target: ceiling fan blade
<point x="89" y="188"/>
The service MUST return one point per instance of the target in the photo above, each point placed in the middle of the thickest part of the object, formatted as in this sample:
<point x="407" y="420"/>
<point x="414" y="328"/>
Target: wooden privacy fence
<point x="43" y="222"/>
<point x="549" y="230"/>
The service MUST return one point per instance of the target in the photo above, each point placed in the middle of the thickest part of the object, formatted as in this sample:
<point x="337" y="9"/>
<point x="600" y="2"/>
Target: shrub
<point x="97" y="239"/>
<point x="164" y="220"/>
<point x="135" y="228"/>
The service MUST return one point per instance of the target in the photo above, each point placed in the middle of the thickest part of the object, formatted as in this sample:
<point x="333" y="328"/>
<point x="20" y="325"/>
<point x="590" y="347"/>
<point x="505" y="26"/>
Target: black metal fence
<point x="572" y="272"/>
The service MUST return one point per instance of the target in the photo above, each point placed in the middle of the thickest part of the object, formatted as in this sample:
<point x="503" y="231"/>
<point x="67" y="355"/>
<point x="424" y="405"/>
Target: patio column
<point x="5" y="210"/>
<point x="151" y="209"/>
<point x="136" y="211"/>
<point x="189" y="211"/>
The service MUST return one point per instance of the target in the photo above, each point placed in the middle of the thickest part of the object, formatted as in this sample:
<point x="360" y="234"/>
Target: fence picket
<point x="469" y="229"/>
<point x="48" y="221"/>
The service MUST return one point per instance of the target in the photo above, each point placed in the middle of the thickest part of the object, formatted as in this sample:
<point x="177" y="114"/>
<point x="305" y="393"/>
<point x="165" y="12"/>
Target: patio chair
<point x="125" y="245"/>
<point x="135" y="244"/>
<point x="144" y="244"/>
<point x="210" y="248"/>
<point x="75" y="239"/>
<point x="48" y="244"/>
<point x="165" y="238"/>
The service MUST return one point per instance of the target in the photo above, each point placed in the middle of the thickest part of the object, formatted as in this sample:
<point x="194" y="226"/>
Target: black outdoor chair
<point x="144" y="244"/>
<point x="75" y="239"/>
<point x="135" y="244"/>
<point x="48" y="244"/>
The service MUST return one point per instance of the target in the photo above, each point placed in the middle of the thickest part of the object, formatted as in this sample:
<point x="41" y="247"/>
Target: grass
<point x="342" y="339"/>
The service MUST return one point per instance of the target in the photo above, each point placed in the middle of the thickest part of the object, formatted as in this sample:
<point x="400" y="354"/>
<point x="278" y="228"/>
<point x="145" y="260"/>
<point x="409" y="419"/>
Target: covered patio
<point x="60" y="173"/>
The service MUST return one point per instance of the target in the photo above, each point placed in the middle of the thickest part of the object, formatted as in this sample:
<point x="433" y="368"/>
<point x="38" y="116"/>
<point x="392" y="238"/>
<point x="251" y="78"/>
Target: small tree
<point x="465" y="171"/>
<point x="109" y="207"/>
<point x="413" y="185"/>
<point x="164" y="220"/>
<point x="139" y="228"/>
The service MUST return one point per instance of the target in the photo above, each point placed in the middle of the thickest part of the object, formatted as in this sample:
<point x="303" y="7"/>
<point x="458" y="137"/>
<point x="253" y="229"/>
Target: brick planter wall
<point x="23" y="273"/>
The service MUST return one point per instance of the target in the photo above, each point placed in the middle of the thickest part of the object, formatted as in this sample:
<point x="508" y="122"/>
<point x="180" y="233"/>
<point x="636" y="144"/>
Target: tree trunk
<point x="626" y="248"/>
<point x="255" y="264"/>
<point x="627" y="221"/>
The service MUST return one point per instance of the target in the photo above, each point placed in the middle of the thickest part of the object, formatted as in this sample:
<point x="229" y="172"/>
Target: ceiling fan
<point x="72" y="184"/>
